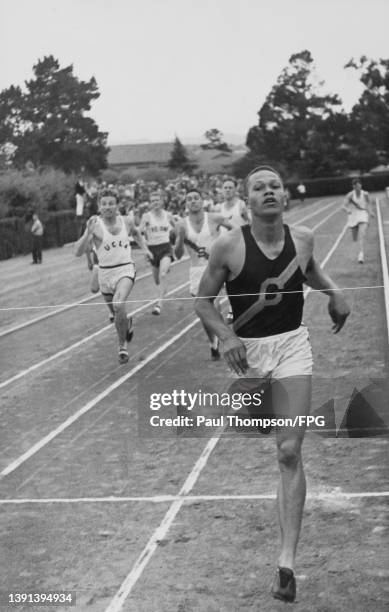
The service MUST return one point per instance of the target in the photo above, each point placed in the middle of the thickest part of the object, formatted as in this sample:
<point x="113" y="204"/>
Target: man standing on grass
<point x="109" y="234"/>
<point x="301" y="190"/>
<point x="37" y="233"/>
<point x="264" y="266"/>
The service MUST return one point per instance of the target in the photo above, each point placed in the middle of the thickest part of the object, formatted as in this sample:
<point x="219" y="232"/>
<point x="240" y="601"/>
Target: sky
<point x="180" y="67"/>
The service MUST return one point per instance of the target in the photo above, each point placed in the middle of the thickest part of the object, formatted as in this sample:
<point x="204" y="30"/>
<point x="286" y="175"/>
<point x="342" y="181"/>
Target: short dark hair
<point x="356" y="180"/>
<point x="231" y="179"/>
<point x="108" y="193"/>
<point x="193" y="190"/>
<point x="258" y="169"/>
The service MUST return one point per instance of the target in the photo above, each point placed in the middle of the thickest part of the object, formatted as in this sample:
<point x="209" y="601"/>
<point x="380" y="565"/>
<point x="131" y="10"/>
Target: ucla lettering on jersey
<point x="114" y="250"/>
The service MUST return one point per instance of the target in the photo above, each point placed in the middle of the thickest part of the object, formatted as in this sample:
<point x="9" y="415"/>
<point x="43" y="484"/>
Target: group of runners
<point x="262" y="263"/>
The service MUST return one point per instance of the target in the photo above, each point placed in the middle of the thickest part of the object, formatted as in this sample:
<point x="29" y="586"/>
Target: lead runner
<point x="264" y="266"/>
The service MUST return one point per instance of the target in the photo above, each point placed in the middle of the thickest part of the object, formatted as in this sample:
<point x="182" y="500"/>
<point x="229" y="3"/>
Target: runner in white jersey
<point x="233" y="209"/>
<point x="358" y="207"/>
<point x="198" y="231"/>
<point x="156" y="225"/>
<point x="109" y="234"/>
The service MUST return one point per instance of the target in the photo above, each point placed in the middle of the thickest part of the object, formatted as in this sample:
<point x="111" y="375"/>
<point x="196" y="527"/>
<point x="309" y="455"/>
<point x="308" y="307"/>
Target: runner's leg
<point x="291" y="397"/>
<point x="123" y="290"/>
<point x="164" y="266"/>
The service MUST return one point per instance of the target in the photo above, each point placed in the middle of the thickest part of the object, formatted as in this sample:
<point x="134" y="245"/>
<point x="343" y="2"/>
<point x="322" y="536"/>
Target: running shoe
<point x="284" y="586"/>
<point x="215" y="355"/>
<point x="361" y="257"/>
<point x="130" y="330"/>
<point x="123" y="356"/>
<point x="230" y="318"/>
<point x="156" y="310"/>
<point x="112" y="318"/>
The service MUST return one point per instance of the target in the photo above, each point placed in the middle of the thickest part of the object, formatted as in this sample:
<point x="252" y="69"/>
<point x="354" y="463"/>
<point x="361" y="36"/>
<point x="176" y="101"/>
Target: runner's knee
<point x="289" y="452"/>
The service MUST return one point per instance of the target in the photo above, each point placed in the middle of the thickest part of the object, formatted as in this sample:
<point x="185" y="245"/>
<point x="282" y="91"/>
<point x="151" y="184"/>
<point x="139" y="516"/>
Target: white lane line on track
<point x="317" y="212"/>
<point x="159" y="499"/>
<point x="74" y="417"/>
<point x="159" y="534"/>
<point x="65" y="307"/>
<point x="125" y="589"/>
<point x="79" y="343"/>
<point x="36" y="447"/>
<point x="88" y="338"/>
<point x="123" y="592"/>
<point x="384" y="265"/>
<point x="301" y="209"/>
<point x="327" y="257"/>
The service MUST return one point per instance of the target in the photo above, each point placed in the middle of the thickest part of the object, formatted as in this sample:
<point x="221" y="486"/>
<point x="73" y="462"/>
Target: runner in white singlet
<point x="109" y="234"/>
<point x="233" y="209"/>
<point x="198" y="231"/>
<point x="358" y="207"/>
<point x="156" y="225"/>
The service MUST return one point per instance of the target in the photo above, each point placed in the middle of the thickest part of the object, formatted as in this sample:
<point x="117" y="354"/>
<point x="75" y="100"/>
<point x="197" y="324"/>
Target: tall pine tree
<point x="48" y="124"/>
<point x="179" y="159"/>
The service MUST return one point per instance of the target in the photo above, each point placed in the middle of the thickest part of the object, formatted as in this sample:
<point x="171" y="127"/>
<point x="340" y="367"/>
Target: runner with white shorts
<point x="156" y="225"/>
<point x="109" y="234"/>
<point x="264" y="266"/>
<point x="198" y="231"/>
<point x="358" y="207"/>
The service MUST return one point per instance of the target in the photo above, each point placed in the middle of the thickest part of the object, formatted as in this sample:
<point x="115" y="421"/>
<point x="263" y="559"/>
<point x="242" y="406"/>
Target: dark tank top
<point x="280" y="281"/>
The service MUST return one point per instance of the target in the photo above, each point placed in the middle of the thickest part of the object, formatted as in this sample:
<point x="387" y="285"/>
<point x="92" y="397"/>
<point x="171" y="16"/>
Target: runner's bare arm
<point x="179" y="244"/>
<point x="244" y="213"/>
<point x="221" y="221"/>
<point x="172" y="220"/>
<point x="138" y="237"/>
<point x="216" y="273"/>
<point x="337" y="306"/>
<point x="84" y="243"/>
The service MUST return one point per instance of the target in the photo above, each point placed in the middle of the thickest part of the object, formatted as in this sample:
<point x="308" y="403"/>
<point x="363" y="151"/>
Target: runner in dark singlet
<point x="268" y="340"/>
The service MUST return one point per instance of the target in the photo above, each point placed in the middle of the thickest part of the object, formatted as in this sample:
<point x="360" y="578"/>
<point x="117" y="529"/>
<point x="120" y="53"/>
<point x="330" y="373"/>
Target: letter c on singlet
<point x="271" y="298"/>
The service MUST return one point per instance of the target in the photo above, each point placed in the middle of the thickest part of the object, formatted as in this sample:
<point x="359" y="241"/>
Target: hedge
<point x="15" y="236"/>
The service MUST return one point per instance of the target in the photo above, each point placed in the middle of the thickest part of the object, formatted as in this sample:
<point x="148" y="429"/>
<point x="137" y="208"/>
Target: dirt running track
<point x="83" y="490"/>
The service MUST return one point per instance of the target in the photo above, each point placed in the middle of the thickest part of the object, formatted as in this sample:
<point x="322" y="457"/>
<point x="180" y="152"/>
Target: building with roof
<point x="156" y="155"/>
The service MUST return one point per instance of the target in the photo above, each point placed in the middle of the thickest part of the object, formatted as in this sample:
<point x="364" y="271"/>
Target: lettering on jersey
<point x="267" y="294"/>
<point x="158" y="228"/>
<point x="113" y="245"/>
<point x="202" y="252"/>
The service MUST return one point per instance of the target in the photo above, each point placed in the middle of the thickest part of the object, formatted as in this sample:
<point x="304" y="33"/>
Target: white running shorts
<point x="109" y="277"/>
<point x="280" y="356"/>
<point x="356" y="217"/>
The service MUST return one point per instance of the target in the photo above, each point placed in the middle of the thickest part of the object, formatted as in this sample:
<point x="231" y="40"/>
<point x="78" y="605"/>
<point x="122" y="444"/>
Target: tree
<point x="215" y="140"/>
<point x="368" y="134"/>
<point x="47" y="122"/>
<point x="179" y="159"/>
<point x="293" y="122"/>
